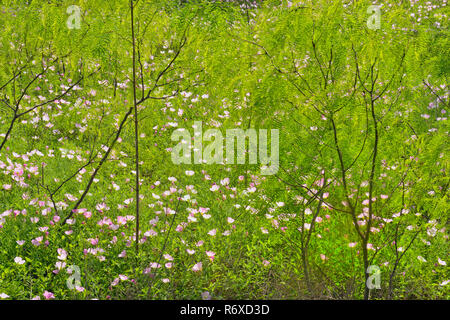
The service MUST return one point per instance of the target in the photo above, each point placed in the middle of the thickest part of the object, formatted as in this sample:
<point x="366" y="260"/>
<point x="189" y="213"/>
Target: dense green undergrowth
<point x="362" y="181"/>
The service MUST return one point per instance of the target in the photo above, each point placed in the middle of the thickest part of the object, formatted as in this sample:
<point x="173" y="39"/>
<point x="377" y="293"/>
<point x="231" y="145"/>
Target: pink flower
<point x="101" y="207"/>
<point x="68" y="196"/>
<point x="206" y="295"/>
<point x="203" y="210"/>
<point x="197" y="267"/>
<point x="121" y="220"/>
<point x="94" y="242"/>
<point x="34" y="219"/>
<point x="87" y="214"/>
<point x="115" y="282"/>
<point x="37" y="241"/>
<point x="168" y="257"/>
<point x="48" y="295"/>
<point x="18" y="172"/>
<point x="211" y="255"/>
<point x="199" y="244"/>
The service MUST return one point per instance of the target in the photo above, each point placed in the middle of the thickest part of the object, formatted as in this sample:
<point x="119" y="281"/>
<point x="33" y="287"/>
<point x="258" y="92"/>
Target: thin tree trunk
<point x="136" y="132"/>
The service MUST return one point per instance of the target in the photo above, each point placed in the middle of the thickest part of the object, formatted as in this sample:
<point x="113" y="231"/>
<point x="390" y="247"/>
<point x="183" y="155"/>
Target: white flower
<point x="60" y="265"/>
<point x="62" y="254"/>
<point x="421" y="258"/>
<point x="442" y="262"/>
<point x="3" y="295"/>
<point x="19" y="260"/>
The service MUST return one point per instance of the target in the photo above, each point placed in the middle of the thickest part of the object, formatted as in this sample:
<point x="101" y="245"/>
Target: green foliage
<point x="363" y="174"/>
